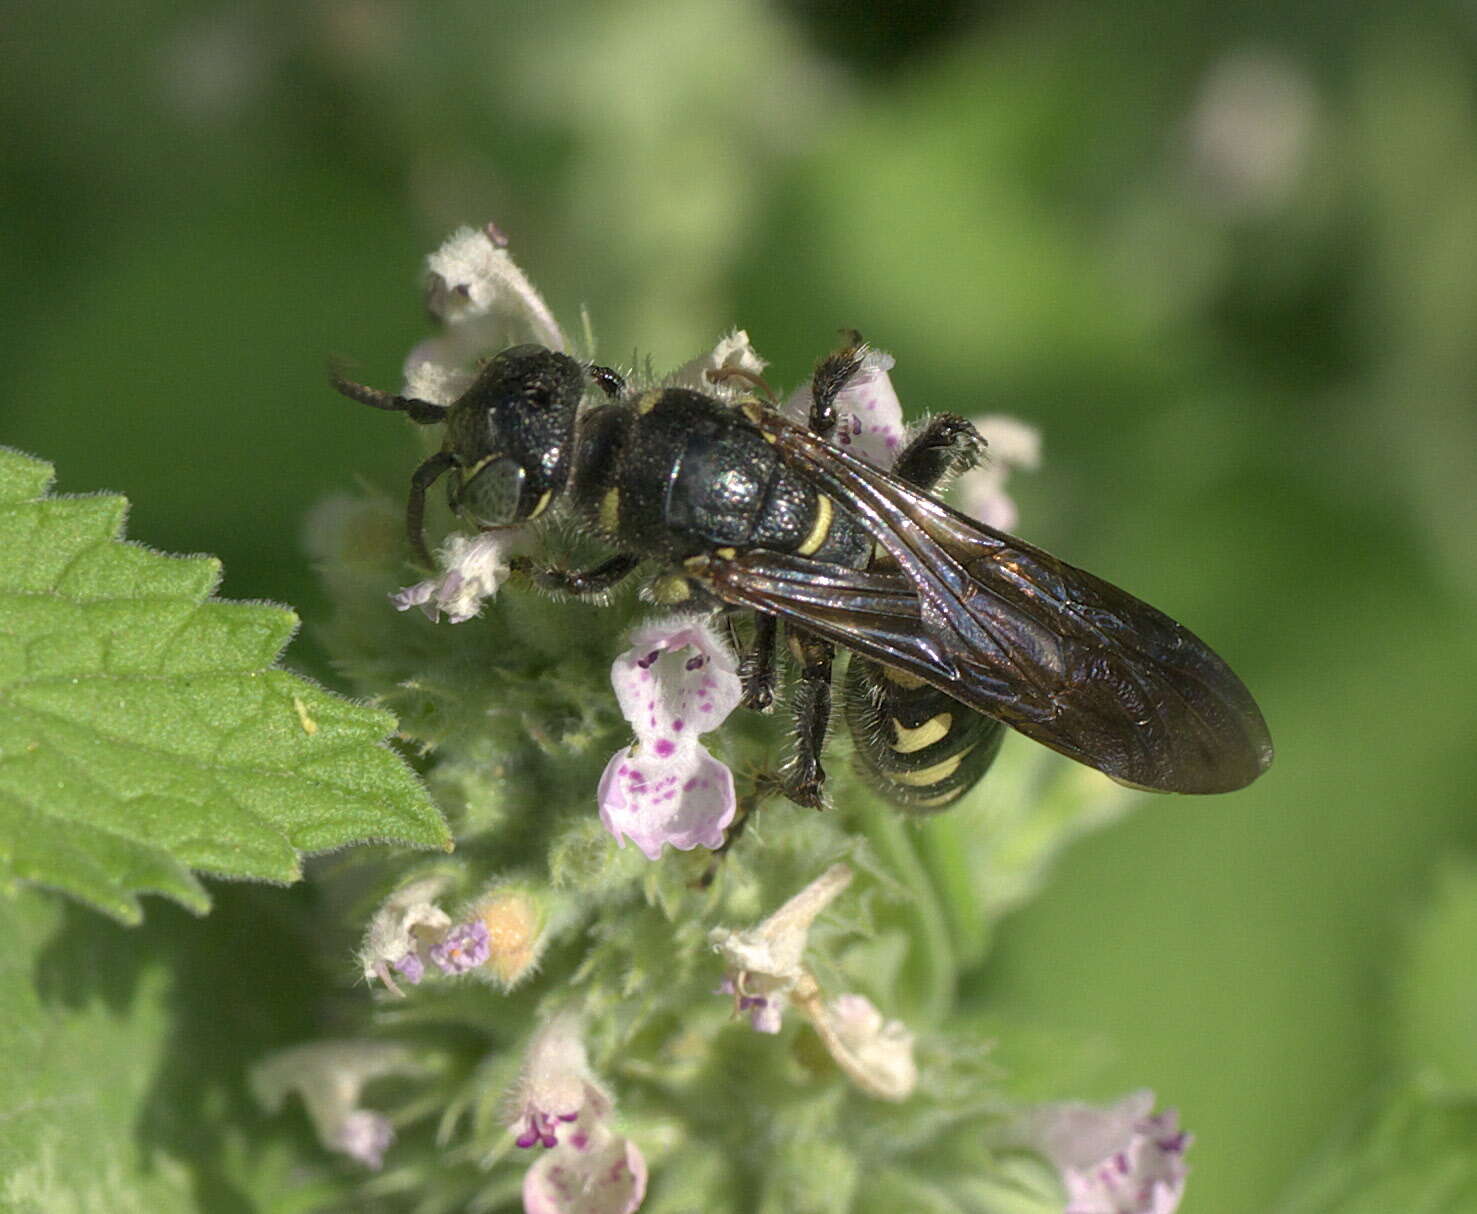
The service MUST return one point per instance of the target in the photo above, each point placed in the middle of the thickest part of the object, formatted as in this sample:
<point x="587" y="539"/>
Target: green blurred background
<point x="1224" y="256"/>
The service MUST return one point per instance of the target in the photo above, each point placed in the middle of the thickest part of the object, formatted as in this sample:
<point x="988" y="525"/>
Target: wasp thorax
<point x="510" y="433"/>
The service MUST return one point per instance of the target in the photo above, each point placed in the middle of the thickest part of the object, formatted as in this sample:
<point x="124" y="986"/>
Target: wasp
<point x="955" y="630"/>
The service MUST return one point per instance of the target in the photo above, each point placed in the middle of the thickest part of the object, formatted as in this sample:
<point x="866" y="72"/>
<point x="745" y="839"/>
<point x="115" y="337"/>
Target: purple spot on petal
<point x="677" y="725"/>
<point x="664" y="747"/>
<point x="690" y="785"/>
<point x="696" y="663"/>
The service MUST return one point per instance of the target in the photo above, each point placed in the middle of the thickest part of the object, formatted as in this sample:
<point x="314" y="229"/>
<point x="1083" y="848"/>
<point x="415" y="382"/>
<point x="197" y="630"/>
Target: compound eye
<point x="492" y="494"/>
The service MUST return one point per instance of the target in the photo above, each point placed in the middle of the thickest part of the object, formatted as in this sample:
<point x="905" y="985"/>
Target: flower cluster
<point x="676" y="683"/>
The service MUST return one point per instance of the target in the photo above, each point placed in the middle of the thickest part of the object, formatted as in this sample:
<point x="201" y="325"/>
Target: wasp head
<point x="509" y="435"/>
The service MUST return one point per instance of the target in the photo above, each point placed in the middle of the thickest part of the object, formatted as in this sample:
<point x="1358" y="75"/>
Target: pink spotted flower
<point x="562" y="1113"/>
<point x="869" y="418"/>
<point x="678" y="680"/>
<point x="1118" y="1160"/>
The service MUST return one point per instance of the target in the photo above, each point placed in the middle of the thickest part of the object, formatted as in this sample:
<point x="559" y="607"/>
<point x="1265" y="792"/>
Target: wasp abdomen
<point x="920" y="748"/>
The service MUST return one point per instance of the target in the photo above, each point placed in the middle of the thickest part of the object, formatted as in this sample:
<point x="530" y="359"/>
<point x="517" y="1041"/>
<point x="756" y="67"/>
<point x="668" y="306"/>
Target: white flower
<point x="329" y="1076"/>
<point x="407" y="924"/>
<point x="764" y="963"/>
<point x="485" y="303"/>
<point x="731" y="368"/>
<point x="876" y="1053"/>
<point x="1118" y="1160"/>
<point x="980" y="492"/>
<point x="472" y="570"/>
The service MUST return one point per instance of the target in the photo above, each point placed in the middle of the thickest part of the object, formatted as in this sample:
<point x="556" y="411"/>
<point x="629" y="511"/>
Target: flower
<point x="472" y="570"/>
<point x="585" y="1167"/>
<point x="407" y="922"/>
<point x="876" y="1053"/>
<point x="731" y="368"/>
<point x="980" y="492"/>
<point x="764" y="968"/>
<point x="1118" y="1160"/>
<point x="869" y="418"/>
<point x="677" y="681"/>
<point x="485" y="302"/>
<point x="608" y="1177"/>
<point x="329" y="1076"/>
<point x="463" y="948"/>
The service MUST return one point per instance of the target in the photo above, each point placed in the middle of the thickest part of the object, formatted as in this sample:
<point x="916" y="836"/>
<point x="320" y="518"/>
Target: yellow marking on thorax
<point x="822" y="527"/>
<point x="928" y="776"/>
<point x="931" y="731"/>
<point x="542" y="504"/>
<point x="908" y="682"/>
<point x="726" y="554"/>
<point x="646" y="402"/>
<point x="610" y="510"/>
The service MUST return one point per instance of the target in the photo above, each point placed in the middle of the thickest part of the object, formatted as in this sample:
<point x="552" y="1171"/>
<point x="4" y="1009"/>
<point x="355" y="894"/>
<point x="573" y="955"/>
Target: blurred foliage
<point x="1223" y="256"/>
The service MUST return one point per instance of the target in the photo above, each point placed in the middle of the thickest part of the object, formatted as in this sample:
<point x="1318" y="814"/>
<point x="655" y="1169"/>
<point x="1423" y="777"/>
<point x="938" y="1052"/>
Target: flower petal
<point x="685" y="799"/>
<point x="678" y="680"/>
<point x="473" y="568"/>
<point x="607" y="1177"/>
<point x="366" y="1136"/>
<point x="869" y="417"/>
<point x="980" y="492"/>
<point x="732" y="353"/>
<point x="1117" y="1160"/>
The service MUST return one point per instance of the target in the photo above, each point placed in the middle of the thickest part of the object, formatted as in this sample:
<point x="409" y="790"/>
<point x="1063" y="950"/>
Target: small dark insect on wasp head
<point x="508" y="438"/>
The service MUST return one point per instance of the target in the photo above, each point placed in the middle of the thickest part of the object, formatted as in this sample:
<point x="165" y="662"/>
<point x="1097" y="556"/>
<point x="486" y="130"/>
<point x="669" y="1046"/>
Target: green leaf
<point x="126" y="1052"/>
<point x="144" y="732"/>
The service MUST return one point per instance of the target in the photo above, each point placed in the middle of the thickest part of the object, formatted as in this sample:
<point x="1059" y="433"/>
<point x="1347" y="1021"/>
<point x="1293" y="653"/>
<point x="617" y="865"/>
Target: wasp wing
<point x="1059" y="654"/>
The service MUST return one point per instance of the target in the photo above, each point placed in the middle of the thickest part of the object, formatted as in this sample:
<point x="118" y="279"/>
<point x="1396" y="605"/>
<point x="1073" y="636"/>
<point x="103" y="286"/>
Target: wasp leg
<point x="596" y="580"/>
<point x="757" y="668"/>
<point x="415" y="507"/>
<point x="805" y="779"/>
<point x="832" y="374"/>
<point x="946" y="446"/>
<point x="611" y="382"/>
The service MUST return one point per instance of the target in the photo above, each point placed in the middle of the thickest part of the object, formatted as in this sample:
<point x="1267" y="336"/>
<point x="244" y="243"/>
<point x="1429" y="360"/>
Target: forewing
<point x="1063" y="656"/>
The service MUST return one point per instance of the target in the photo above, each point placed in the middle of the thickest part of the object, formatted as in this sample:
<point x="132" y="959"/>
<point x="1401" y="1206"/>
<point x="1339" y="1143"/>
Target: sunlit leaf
<point x="144" y="731"/>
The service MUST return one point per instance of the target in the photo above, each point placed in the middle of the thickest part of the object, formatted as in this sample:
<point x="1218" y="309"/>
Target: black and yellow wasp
<point x="956" y="629"/>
